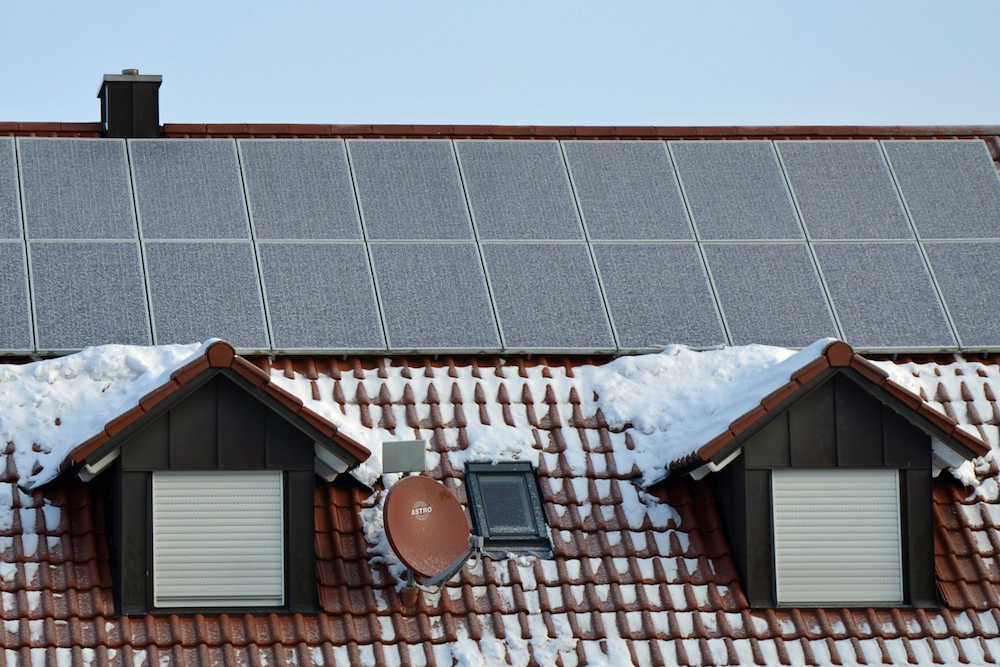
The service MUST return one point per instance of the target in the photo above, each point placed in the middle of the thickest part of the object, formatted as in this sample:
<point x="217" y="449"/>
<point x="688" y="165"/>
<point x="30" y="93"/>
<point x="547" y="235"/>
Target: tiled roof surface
<point x="655" y="587"/>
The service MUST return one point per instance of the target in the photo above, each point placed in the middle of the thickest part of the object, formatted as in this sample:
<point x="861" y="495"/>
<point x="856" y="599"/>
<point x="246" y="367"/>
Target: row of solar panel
<point x="477" y="245"/>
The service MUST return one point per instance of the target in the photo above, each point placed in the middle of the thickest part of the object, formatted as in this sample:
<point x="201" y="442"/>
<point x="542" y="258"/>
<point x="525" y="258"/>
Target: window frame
<point x="535" y="543"/>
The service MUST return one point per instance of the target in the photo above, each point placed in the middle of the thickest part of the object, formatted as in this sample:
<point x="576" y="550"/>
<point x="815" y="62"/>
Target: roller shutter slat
<point x="836" y="536"/>
<point x="217" y="539"/>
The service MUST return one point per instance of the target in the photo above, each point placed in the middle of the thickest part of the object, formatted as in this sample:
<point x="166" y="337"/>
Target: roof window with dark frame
<point x="506" y="507"/>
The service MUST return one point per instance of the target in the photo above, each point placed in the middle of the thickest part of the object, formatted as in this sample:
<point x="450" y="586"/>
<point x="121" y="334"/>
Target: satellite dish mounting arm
<point x="434" y="585"/>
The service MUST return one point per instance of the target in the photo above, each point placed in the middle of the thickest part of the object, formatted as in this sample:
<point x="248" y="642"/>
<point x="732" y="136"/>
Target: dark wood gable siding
<point x="839" y="424"/>
<point x="219" y="426"/>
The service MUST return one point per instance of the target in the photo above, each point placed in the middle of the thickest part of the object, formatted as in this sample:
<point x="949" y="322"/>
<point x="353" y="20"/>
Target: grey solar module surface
<point x="951" y="187"/>
<point x="547" y="297"/>
<point x="189" y="189"/>
<point x="10" y="205"/>
<point x="658" y="294"/>
<point x="770" y="293"/>
<point x="883" y="295"/>
<point x="844" y="189"/>
<point x="320" y="296"/>
<point x="434" y="296"/>
<point x="205" y="290"/>
<point x="409" y="189"/>
<point x="76" y="189"/>
<point x="969" y="277"/>
<point x="518" y="190"/>
<point x="299" y="189"/>
<point x="735" y="190"/>
<point x="15" y="325"/>
<point x="627" y="190"/>
<point x="88" y="294"/>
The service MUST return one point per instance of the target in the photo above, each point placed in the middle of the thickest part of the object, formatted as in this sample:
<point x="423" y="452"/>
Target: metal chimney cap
<point x="130" y="76"/>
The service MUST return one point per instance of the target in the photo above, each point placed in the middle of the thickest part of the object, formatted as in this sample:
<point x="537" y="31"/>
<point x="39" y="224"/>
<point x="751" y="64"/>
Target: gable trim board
<point x="837" y="359"/>
<point x="340" y="452"/>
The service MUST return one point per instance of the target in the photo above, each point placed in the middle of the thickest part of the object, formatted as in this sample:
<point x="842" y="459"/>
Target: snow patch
<point x="52" y="406"/>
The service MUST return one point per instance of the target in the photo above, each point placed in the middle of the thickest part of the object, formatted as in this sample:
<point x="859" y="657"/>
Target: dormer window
<point x="836" y="537"/>
<point x="827" y="499"/>
<point x="211" y="483"/>
<point x="218" y="539"/>
<point x="506" y="507"/>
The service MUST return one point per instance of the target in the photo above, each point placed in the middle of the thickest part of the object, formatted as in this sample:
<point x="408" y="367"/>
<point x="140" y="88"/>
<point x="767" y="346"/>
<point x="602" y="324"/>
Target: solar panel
<point x="76" y="189"/>
<point x="968" y="278"/>
<point x="204" y="290"/>
<point x="299" y="189"/>
<point x="320" y="296"/>
<point x="518" y="190"/>
<point x="950" y="187"/>
<point x="844" y="189"/>
<point x="627" y="190"/>
<point x="658" y="294"/>
<point x="547" y="297"/>
<point x="15" y="325"/>
<point x="10" y="205"/>
<point x="883" y="295"/>
<point x="188" y="189"/>
<point x="88" y="294"/>
<point x="735" y="190"/>
<point x="434" y="297"/>
<point x="409" y="189"/>
<point x="770" y="293"/>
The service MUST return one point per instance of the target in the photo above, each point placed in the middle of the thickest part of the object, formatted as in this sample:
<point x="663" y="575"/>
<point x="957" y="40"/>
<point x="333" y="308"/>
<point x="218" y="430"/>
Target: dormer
<point x="211" y="486"/>
<point x="826" y="488"/>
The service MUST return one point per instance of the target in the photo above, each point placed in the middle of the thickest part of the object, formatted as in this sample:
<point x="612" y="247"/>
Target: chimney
<point x="130" y="104"/>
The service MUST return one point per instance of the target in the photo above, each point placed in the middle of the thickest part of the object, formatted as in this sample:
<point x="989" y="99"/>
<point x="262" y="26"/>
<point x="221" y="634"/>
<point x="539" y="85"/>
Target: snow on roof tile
<point x="635" y="576"/>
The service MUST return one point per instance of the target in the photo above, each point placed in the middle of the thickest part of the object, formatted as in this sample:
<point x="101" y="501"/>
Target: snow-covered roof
<point x="635" y="575"/>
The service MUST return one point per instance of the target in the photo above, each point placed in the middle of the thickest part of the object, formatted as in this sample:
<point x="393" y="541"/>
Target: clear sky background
<point x="527" y="63"/>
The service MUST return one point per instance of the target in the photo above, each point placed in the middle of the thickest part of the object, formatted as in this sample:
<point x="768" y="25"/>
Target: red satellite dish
<point x="426" y="525"/>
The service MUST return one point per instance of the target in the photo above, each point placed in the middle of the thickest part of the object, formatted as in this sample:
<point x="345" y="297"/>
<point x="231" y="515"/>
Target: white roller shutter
<point x="836" y="536"/>
<point x="217" y="539"/>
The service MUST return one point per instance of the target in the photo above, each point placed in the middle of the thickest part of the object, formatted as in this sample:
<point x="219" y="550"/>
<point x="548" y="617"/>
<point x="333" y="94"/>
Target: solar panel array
<point x="439" y="245"/>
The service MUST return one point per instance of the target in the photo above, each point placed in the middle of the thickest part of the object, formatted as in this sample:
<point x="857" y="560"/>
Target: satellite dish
<point x="427" y="529"/>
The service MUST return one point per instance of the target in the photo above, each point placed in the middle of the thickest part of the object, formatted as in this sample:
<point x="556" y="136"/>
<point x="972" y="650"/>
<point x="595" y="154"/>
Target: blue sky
<point x="553" y="63"/>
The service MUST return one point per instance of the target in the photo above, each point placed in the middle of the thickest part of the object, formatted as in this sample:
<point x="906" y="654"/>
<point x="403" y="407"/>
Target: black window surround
<point x="506" y="508"/>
